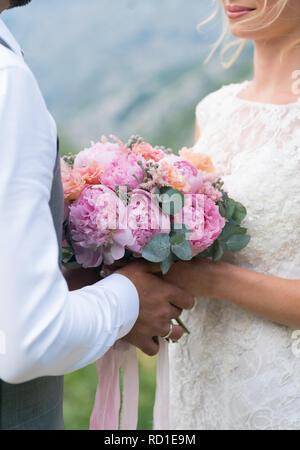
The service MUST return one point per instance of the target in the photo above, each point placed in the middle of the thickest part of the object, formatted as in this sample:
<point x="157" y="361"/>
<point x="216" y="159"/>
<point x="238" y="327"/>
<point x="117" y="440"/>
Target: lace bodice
<point x="237" y="370"/>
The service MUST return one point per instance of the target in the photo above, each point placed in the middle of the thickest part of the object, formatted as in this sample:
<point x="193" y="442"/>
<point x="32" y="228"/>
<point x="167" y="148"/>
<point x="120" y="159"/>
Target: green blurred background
<point x="121" y="67"/>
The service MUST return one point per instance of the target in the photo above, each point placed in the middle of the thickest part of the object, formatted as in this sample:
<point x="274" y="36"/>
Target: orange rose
<point x="200" y="160"/>
<point x="92" y="173"/>
<point x="73" y="183"/>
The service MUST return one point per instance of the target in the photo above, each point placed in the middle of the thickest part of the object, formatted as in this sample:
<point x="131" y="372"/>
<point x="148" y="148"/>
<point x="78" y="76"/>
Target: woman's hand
<point x="271" y="297"/>
<point x="197" y="276"/>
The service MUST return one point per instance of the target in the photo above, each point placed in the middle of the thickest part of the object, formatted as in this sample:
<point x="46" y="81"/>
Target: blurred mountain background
<point x="122" y="66"/>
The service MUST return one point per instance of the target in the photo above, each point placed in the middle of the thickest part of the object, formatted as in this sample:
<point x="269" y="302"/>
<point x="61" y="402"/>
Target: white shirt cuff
<point x="128" y="297"/>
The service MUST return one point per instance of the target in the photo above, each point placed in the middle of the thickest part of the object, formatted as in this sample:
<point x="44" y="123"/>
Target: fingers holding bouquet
<point x="160" y="302"/>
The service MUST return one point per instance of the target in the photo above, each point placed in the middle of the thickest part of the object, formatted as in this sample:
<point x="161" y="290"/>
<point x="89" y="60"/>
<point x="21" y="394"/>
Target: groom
<point x="47" y="330"/>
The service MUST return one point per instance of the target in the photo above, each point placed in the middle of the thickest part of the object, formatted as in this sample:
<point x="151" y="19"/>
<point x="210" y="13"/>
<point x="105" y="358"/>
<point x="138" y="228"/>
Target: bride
<point x="238" y="369"/>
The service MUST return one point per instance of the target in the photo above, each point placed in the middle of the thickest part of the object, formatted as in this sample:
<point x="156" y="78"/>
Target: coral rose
<point x="148" y="152"/>
<point x="199" y="160"/>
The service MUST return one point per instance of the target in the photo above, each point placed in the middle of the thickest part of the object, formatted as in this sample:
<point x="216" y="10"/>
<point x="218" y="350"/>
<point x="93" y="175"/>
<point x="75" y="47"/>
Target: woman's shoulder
<point x="217" y="99"/>
<point x="226" y="92"/>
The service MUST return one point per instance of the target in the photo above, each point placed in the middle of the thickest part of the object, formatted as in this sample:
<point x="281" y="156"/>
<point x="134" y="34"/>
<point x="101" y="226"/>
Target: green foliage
<point x="165" y="249"/>
<point x="229" y="208"/>
<point x="182" y="249"/>
<point x="237" y="242"/>
<point x="239" y="212"/>
<point x="166" y="264"/>
<point x="157" y="249"/>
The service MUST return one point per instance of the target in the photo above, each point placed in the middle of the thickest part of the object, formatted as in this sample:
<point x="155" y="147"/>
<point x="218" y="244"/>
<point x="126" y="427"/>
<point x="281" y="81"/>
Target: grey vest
<point x="37" y="404"/>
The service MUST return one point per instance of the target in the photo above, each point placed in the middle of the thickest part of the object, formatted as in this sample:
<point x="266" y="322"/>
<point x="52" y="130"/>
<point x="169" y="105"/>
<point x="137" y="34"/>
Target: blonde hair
<point x="273" y="15"/>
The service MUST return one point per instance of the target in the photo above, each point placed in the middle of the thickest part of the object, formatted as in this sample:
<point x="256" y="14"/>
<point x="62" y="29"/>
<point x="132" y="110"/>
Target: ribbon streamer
<point x="105" y="415"/>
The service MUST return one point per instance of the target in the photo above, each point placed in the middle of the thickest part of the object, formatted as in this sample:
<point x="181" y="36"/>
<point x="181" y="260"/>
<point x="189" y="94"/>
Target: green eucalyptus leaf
<point x="232" y="222"/>
<point x="224" y="246"/>
<point x="157" y="249"/>
<point x="237" y="242"/>
<point x="230" y="207"/>
<point x="224" y="197"/>
<point x="239" y="213"/>
<point x="230" y="230"/>
<point x="177" y="239"/>
<point x="217" y="251"/>
<point x="222" y="209"/>
<point x="183" y="251"/>
<point x="166" y="264"/>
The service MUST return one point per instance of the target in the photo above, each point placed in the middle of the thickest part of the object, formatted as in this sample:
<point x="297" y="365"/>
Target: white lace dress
<point x="236" y="370"/>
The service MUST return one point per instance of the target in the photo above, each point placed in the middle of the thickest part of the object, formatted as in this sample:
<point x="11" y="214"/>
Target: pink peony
<point x="98" y="227"/>
<point x="145" y="219"/>
<point x="188" y="171"/>
<point x="123" y="171"/>
<point x="103" y="152"/>
<point x="201" y="215"/>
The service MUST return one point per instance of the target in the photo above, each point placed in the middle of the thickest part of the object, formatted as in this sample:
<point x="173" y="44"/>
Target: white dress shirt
<point x="44" y="328"/>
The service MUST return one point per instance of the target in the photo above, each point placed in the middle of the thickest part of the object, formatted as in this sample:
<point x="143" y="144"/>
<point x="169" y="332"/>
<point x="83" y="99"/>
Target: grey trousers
<point x="35" y="405"/>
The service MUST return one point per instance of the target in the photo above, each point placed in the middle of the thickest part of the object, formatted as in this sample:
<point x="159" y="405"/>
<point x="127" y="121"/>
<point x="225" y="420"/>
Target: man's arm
<point x="48" y="330"/>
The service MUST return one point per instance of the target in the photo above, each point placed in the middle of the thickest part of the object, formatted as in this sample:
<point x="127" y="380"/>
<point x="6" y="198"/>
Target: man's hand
<point x="160" y="302"/>
<point x="79" y="278"/>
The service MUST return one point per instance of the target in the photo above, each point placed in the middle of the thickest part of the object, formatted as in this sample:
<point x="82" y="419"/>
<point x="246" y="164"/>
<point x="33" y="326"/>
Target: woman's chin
<point x="238" y="31"/>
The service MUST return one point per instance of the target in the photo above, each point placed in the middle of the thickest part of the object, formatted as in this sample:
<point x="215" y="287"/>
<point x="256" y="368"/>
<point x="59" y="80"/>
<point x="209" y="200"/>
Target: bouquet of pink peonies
<point x="127" y="201"/>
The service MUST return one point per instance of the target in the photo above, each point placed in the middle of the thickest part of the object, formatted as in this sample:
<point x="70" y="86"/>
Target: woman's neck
<point x="274" y="70"/>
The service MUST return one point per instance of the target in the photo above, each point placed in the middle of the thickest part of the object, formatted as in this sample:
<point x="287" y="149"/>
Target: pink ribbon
<point x="105" y="415"/>
<point x="161" y="419"/>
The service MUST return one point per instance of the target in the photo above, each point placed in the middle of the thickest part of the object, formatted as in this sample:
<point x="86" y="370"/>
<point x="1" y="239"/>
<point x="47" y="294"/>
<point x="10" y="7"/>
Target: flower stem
<point x="186" y="330"/>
